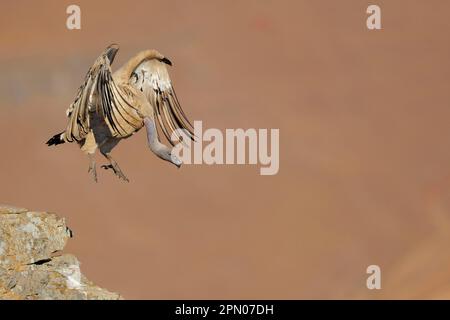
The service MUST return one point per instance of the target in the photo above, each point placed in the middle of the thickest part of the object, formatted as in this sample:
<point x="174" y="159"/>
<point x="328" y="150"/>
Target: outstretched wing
<point x="100" y="94"/>
<point x="152" y="78"/>
<point x="78" y="112"/>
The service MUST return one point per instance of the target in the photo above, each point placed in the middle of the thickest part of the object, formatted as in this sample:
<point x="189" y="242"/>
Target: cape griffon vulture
<point x="113" y="106"/>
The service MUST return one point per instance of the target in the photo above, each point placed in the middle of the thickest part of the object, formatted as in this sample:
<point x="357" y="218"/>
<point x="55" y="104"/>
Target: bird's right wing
<point x="78" y="112"/>
<point x="100" y="94"/>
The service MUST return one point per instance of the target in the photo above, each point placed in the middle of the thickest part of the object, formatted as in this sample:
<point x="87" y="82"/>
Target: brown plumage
<point x="110" y="107"/>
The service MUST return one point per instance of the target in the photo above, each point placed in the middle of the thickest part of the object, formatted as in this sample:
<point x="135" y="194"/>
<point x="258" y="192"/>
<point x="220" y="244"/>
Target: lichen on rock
<point x="31" y="266"/>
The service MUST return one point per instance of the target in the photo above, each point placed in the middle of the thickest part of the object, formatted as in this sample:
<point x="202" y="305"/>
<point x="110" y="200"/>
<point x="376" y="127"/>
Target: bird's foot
<point x="116" y="170"/>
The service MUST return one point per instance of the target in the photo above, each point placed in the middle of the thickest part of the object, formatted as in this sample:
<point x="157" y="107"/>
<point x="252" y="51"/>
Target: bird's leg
<point x="89" y="146"/>
<point x="92" y="169"/>
<point x="114" y="166"/>
<point x="156" y="146"/>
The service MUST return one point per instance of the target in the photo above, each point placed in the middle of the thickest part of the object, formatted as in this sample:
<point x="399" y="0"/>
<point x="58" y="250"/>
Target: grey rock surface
<point x="31" y="266"/>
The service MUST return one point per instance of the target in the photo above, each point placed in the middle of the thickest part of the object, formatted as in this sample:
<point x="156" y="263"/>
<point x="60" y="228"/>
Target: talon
<point x="115" y="168"/>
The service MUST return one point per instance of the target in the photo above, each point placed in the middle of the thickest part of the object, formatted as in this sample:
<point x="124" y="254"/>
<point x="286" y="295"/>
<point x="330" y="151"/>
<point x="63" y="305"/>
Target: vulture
<point x="111" y="106"/>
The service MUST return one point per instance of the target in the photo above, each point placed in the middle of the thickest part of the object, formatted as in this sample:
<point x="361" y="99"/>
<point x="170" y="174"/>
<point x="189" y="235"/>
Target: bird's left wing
<point x="152" y="78"/>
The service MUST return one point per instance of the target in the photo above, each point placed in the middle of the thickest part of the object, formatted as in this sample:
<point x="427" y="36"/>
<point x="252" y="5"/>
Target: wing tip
<point x="111" y="52"/>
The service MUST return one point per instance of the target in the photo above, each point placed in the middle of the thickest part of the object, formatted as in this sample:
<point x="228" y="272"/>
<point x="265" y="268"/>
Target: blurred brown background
<point x="364" y="158"/>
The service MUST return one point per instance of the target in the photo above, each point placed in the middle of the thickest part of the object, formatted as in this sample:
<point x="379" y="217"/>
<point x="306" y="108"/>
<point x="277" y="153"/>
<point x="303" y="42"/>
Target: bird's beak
<point x="174" y="159"/>
<point x="111" y="52"/>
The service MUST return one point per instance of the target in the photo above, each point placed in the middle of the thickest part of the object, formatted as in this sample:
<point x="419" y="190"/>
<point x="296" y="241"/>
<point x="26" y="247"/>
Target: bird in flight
<point x="110" y="107"/>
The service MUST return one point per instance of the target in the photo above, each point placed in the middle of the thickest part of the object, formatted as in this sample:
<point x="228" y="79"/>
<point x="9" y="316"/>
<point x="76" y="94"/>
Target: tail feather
<point x="55" y="140"/>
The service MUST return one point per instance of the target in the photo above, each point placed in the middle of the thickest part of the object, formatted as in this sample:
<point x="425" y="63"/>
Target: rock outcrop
<point x="31" y="263"/>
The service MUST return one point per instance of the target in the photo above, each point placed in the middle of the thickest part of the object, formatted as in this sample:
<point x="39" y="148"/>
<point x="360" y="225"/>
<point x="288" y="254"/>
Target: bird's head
<point x="111" y="52"/>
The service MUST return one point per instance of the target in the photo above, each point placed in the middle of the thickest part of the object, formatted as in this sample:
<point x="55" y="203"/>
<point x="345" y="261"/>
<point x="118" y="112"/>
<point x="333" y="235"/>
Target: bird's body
<point x="111" y="107"/>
